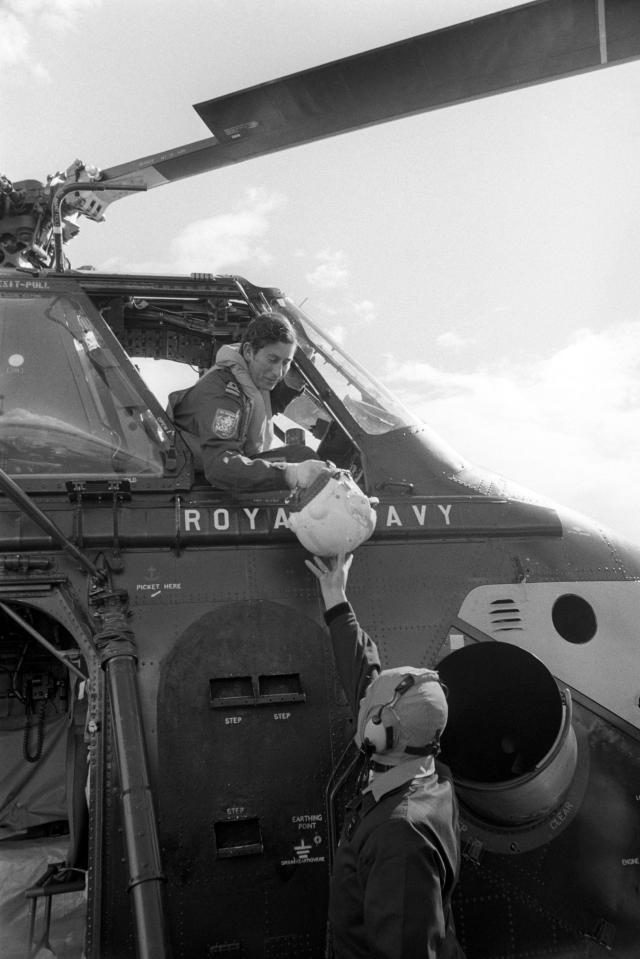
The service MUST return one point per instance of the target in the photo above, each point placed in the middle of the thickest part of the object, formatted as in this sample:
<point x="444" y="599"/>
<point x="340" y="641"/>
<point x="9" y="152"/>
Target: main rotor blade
<point x="524" y="45"/>
<point x="518" y="47"/>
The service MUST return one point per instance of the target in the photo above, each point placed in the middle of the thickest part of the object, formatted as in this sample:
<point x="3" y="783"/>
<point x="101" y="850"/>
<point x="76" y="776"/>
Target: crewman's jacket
<point x="398" y="857"/>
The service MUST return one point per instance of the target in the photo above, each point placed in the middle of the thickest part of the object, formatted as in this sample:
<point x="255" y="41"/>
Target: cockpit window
<point x="65" y="405"/>
<point x="371" y="405"/>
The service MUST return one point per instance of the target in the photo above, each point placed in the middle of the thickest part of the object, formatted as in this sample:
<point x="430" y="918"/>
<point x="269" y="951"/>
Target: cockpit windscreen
<point x="65" y="405"/>
<point x="372" y="406"/>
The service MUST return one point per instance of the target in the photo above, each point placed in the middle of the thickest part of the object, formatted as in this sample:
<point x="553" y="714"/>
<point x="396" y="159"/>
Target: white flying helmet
<point x="332" y="515"/>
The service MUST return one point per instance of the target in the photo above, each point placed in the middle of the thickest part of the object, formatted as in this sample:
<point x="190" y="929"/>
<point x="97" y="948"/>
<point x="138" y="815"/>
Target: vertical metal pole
<point x="141" y="837"/>
<point x="118" y="656"/>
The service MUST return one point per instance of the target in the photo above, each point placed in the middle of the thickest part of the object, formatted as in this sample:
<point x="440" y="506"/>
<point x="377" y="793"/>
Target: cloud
<point x="364" y="311"/>
<point x="218" y="243"/>
<point x="24" y="21"/>
<point x="342" y="316"/>
<point x="567" y="425"/>
<point x="451" y="340"/>
<point x="14" y="40"/>
<point x="330" y="272"/>
<point x="48" y="14"/>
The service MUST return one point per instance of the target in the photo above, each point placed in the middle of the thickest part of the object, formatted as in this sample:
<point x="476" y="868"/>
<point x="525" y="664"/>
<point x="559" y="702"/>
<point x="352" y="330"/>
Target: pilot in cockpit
<point x="226" y="417"/>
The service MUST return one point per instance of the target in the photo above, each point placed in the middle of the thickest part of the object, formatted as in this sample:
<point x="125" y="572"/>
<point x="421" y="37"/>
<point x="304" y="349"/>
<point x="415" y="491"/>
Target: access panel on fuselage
<point x="246" y="710"/>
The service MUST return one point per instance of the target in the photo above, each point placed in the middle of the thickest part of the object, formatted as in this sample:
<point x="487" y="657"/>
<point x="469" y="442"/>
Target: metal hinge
<point x="604" y="933"/>
<point x="101" y="490"/>
<point x="472" y="850"/>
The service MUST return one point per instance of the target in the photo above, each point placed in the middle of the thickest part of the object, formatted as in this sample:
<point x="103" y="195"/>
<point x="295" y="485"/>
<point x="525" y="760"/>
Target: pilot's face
<point x="268" y="365"/>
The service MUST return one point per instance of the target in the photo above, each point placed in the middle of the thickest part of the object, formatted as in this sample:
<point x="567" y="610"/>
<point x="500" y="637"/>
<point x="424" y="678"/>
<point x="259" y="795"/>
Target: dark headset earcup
<point x="377" y="736"/>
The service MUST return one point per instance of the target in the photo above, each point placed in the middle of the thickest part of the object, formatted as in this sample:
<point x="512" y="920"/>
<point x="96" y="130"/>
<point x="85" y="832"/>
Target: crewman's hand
<point x="305" y="473"/>
<point x="332" y="573"/>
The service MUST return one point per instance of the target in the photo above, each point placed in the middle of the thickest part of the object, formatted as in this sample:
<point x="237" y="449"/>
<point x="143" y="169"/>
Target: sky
<point x="481" y="260"/>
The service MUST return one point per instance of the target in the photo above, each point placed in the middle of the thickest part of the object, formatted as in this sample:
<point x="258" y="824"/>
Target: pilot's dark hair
<point x="267" y="328"/>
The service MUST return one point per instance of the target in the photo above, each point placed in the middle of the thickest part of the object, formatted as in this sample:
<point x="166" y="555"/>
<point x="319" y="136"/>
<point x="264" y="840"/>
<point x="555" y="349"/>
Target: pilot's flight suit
<point x="215" y="415"/>
<point x="398" y="857"/>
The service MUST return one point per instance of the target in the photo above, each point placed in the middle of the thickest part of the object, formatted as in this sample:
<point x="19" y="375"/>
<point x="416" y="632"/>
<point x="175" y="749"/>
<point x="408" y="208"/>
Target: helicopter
<point x="175" y="741"/>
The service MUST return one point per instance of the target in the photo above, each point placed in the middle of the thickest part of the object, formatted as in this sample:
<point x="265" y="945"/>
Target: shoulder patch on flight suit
<point x="225" y="424"/>
<point x="232" y="388"/>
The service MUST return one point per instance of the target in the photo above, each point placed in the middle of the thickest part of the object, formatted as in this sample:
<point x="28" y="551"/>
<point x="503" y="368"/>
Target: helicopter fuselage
<point x="528" y="611"/>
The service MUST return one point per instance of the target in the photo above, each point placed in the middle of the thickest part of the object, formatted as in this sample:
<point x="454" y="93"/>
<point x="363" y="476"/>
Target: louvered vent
<point x="504" y="616"/>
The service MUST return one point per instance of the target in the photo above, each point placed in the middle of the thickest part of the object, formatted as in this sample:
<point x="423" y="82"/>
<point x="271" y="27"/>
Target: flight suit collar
<point x="383" y="783"/>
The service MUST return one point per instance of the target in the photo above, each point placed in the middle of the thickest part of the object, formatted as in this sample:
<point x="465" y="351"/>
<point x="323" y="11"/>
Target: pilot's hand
<point x="305" y="473"/>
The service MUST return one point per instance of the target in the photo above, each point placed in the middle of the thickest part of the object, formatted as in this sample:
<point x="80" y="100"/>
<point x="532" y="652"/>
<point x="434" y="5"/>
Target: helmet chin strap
<point x="431" y="749"/>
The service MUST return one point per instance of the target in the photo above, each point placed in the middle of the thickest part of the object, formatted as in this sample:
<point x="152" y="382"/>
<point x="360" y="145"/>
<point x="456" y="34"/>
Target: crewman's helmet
<point x="403" y="714"/>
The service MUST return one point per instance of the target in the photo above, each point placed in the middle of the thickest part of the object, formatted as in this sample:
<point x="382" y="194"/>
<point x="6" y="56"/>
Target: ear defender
<point x="378" y="737"/>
